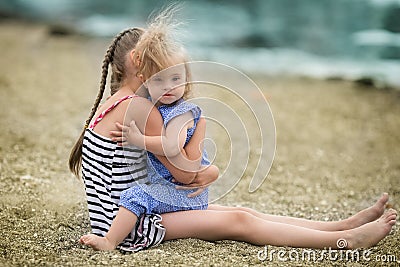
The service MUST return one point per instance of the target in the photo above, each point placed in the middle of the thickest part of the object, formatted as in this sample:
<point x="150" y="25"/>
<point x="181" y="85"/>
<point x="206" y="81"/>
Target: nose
<point x="168" y="86"/>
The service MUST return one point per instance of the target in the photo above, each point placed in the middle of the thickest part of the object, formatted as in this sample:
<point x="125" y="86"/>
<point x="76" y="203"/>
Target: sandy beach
<point x="337" y="151"/>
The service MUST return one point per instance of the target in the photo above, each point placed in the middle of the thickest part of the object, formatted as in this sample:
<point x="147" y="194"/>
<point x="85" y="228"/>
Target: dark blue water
<point x="347" y="39"/>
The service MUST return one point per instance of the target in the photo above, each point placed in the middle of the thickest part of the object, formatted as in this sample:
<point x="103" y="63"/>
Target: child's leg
<point x="122" y="225"/>
<point x="365" y="216"/>
<point x="243" y="226"/>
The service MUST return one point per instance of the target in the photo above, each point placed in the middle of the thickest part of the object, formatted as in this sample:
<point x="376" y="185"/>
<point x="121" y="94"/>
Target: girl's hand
<point x="199" y="190"/>
<point x="120" y="135"/>
<point x="134" y="136"/>
<point x="127" y="135"/>
<point x="203" y="180"/>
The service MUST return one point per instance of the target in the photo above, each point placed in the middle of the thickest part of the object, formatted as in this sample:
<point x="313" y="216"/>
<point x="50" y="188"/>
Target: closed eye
<point x="157" y="79"/>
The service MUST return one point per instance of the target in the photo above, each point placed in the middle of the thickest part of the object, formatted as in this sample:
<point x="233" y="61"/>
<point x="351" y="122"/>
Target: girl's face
<point x="167" y="86"/>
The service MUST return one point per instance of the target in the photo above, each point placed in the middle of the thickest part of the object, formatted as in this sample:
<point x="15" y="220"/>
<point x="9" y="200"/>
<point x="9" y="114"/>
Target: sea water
<point x="341" y="39"/>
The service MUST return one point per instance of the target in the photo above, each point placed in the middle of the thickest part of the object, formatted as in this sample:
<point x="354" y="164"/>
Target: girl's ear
<point x="135" y="57"/>
<point x="141" y="78"/>
<point x="132" y="56"/>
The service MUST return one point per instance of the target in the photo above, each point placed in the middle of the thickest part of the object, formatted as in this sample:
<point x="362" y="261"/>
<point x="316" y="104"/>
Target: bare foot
<point x="96" y="242"/>
<point x="371" y="233"/>
<point x="369" y="214"/>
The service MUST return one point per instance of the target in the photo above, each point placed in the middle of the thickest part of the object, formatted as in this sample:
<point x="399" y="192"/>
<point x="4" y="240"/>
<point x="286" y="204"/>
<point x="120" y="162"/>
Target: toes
<point x="84" y="239"/>
<point x="392" y="211"/>
<point x="389" y="216"/>
<point x="384" y="198"/>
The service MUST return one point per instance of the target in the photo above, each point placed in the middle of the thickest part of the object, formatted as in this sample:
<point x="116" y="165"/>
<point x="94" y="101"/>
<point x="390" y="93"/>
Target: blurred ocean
<point x="332" y="39"/>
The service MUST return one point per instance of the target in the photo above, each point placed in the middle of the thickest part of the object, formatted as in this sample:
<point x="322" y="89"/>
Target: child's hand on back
<point x="134" y="136"/>
<point x="127" y="135"/>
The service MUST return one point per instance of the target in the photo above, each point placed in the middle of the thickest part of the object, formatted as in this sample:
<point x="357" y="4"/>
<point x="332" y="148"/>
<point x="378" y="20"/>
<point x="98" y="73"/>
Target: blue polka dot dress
<point x="158" y="194"/>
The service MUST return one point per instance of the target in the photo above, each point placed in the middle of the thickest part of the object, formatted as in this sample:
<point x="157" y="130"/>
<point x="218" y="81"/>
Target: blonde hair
<point x="158" y="48"/>
<point x="116" y="55"/>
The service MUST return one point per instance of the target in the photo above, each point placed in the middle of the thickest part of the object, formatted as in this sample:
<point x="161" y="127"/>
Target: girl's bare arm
<point x="170" y="143"/>
<point x="149" y="120"/>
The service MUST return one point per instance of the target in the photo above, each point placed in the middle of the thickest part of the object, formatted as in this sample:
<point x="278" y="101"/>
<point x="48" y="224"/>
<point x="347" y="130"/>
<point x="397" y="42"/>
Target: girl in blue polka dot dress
<point x="163" y="69"/>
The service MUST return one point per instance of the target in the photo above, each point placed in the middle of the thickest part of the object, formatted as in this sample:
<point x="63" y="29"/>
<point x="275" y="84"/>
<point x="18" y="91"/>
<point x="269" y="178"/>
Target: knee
<point x="241" y="221"/>
<point x="244" y="209"/>
<point x="241" y="216"/>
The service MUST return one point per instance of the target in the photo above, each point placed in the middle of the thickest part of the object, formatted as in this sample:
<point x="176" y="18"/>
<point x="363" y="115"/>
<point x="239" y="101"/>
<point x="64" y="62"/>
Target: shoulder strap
<point x="104" y="113"/>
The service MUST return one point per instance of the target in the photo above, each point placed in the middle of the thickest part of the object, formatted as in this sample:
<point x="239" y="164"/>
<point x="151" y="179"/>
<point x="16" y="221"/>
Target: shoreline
<point x="308" y="66"/>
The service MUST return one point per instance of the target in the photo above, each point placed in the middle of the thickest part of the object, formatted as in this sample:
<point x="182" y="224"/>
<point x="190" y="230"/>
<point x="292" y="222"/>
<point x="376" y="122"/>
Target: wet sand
<point x="337" y="151"/>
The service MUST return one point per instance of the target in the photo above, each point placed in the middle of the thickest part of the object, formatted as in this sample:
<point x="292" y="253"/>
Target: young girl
<point x="363" y="229"/>
<point x="106" y="170"/>
<point x="162" y="68"/>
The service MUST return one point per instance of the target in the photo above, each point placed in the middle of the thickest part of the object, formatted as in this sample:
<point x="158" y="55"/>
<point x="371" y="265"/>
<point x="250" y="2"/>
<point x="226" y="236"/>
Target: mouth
<point x="167" y="94"/>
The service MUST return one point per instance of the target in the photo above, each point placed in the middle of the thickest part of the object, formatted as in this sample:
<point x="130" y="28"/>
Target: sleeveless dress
<point x="107" y="170"/>
<point x="159" y="194"/>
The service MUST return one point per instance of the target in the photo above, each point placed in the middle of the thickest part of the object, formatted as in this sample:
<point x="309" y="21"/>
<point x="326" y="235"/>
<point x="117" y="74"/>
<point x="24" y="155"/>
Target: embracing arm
<point x="169" y="143"/>
<point x="149" y="121"/>
<point x="192" y="153"/>
<point x="183" y="166"/>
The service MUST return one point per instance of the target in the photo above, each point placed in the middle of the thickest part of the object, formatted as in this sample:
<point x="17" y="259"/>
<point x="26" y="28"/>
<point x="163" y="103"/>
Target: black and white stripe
<point x="148" y="232"/>
<point x="107" y="170"/>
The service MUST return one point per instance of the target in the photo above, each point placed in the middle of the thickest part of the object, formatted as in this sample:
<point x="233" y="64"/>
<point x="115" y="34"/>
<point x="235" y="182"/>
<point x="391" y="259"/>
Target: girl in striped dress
<point x="162" y="69"/>
<point x="107" y="167"/>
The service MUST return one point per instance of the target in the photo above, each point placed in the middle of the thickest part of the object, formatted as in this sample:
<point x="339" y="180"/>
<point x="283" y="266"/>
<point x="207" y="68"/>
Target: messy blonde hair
<point x="158" y="48"/>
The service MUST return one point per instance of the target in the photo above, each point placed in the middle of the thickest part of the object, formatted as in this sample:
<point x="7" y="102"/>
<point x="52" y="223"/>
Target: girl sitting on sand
<point x="106" y="167"/>
<point x="217" y="222"/>
<point x="163" y="70"/>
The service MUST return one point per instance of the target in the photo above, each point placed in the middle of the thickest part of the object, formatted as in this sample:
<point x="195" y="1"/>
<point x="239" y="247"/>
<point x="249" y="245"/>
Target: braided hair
<point x="122" y="44"/>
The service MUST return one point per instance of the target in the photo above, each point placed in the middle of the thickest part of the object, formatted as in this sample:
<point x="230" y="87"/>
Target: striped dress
<point x="107" y="170"/>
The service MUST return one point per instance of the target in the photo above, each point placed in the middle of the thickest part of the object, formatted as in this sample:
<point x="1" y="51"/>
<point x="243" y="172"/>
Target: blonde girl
<point x="363" y="229"/>
<point x="106" y="170"/>
<point x="162" y="69"/>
